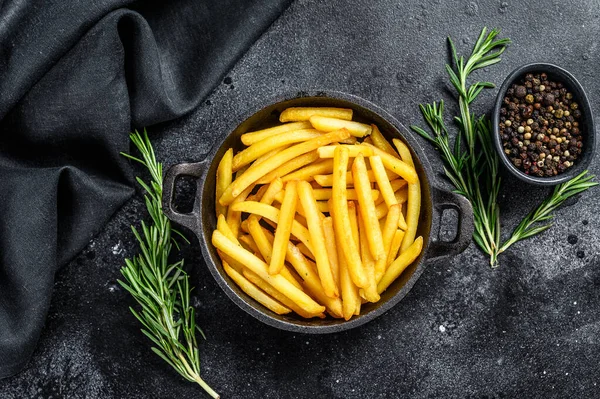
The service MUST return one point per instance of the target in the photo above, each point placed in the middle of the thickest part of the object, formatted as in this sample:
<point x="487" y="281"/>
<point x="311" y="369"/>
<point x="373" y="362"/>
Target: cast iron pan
<point x="202" y="220"/>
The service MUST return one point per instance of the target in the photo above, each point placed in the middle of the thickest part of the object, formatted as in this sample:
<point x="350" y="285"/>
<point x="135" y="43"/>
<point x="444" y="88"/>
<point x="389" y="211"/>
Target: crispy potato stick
<point x="224" y="176"/>
<point x="413" y="205"/>
<point x="404" y="152"/>
<point x="370" y="291"/>
<point x="367" y="207"/>
<point x="308" y="172"/>
<point x="264" y="243"/>
<point x="273" y="189"/>
<point x="259" y="267"/>
<point x="388" y="232"/>
<point x="395" y="246"/>
<point x="313" y="218"/>
<point x="397" y="267"/>
<point x="255" y="173"/>
<point x="324" y="194"/>
<point x="380" y="142"/>
<point x="353" y="151"/>
<point x="304" y="113"/>
<point x="234" y="218"/>
<point x="326" y="124"/>
<point x="223" y="227"/>
<point x="271" y="213"/>
<point x="352" y="212"/>
<point x="289" y="166"/>
<point x="341" y="219"/>
<point x="331" y="247"/>
<point x="394" y="164"/>
<point x="347" y="287"/>
<point x="387" y="192"/>
<point x="278" y="296"/>
<point x="284" y="227"/>
<point x="259" y="135"/>
<point x="253" y="152"/>
<point x="255" y="292"/>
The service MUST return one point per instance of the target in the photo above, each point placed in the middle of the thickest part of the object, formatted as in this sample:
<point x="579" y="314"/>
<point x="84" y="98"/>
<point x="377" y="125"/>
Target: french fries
<point x="309" y="214"/>
<point x="304" y="113"/>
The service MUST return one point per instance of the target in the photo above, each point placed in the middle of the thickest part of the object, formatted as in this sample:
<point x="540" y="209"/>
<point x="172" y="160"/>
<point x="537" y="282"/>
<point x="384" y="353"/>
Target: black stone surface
<point x="530" y="328"/>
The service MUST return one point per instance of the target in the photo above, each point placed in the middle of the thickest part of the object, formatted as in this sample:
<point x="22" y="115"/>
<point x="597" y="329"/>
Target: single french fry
<point x="259" y="267"/>
<point x="370" y="291"/>
<point x="381" y="210"/>
<point x="326" y="124"/>
<point x="324" y="194"/>
<point x="331" y="247"/>
<point x="403" y="151"/>
<point x="380" y="142"/>
<point x="234" y="218"/>
<point x="275" y="187"/>
<point x="224" y="176"/>
<point x="251" y="153"/>
<point x="308" y="172"/>
<point x="224" y="228"/>
<point x="367" y="207"/>
<point x="272" y="214"/>
<point x="347" y="287"/>
<point x="313" y="218"/>
<point x="278" y="296"/>
<point x="261" y="159"/>
<point x="289" y="166"/>
<point x="394" y="164"/>
<point x="395" y="246"/>
<point x="232" y="262"/>
<point x="400" y="264"/>
<point x="284" y="227"/>
<point x="352" y="212"/>
<point x="259" y="135"/>
<point x="387" y="233"/>
<point x="294" y="114"/>
<point x="353" y="151"/>
<point x="255" y="173"/>
<point x="341" y="219"/>
<point x="387" y="192"/>
<point x="254" y="292"/>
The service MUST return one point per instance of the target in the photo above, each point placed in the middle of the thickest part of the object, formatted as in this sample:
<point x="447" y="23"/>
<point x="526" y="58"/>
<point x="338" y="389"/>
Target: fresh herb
<point x="543" y="212"/>
<point x="473" y="167"/>
<point x="160" y="287"/>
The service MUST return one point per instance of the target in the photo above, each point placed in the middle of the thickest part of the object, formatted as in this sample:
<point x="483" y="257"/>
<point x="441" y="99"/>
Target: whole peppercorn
<point x="549" y="99"/>
<point x="521" y="91"/>
<point x="529" y="98"/>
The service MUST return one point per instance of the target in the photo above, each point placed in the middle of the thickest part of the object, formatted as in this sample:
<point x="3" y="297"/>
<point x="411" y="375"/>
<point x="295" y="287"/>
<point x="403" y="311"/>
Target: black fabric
<point x="75" y="77"/>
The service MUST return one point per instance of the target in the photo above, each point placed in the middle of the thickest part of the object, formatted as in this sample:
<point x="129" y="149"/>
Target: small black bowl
<point x="558" y="74"/>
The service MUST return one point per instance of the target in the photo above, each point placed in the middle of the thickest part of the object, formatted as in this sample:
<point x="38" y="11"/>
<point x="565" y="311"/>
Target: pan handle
<point x="443" y="200"/>
<point x="190" y="220"/>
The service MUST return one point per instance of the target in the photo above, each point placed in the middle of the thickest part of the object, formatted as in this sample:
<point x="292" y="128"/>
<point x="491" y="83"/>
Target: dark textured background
<point x="530" y="328"/>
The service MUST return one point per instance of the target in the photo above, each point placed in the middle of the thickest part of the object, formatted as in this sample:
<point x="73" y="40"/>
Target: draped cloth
<point x="75" y="77"/>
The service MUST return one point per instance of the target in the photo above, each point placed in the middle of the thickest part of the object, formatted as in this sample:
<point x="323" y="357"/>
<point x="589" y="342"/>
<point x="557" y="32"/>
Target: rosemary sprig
<point x="473" y="168"/>
<point x="528" y="226"/>
<point x="162" y="288"/>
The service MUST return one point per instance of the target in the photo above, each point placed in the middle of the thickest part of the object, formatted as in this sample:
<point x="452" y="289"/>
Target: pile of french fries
<point x="317" y="215"/>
